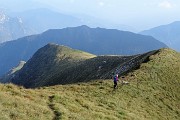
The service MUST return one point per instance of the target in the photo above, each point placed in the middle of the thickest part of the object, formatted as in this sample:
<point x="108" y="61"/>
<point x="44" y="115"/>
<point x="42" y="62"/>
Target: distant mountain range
<point x="14" y="25"/>
<point x="37" y="19"/>
<point x="54" y="64"/>
<point x="168" y="34"/>
<point x="43" y="19"/>
<point x="97" y="41"/>
<point x="97" y="22"/>
<point x="20" y="24"/>
<point x="11" y="27"/>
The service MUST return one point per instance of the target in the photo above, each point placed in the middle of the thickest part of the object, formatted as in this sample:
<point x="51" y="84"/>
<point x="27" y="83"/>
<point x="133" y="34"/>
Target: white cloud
<point x="166" y="4"/>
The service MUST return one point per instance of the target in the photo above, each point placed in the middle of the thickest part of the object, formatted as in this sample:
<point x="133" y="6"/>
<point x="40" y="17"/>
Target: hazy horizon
<point x="140" y="15"/>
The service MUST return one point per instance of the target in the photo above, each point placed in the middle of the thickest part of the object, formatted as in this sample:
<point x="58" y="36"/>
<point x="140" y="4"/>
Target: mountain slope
<point x="53" y="64"/>
<point x="168" y="34"/>
<point x="9" y="75"/>
<point x="102" y="41"/>
<point x="11" y="27"/>
<point x="93" y="40"/>
<point x="153" y="93"/>
<point x="49" y="60"/>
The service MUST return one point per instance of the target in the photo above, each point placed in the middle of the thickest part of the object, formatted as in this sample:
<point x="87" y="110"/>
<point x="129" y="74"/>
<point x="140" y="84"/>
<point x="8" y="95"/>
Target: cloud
<point x="166" y="4"/>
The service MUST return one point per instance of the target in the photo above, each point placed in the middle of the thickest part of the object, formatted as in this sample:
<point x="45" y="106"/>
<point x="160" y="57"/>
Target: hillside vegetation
<point x="49" y="61"/>
<point x="153" y="94"/>
<point x="54" y="64"/>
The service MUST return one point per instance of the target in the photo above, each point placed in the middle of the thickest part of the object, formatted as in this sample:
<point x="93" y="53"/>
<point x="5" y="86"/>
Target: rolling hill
<point x="168" y="34"/>
<point x="97" y="41"/>
<point x="153" y="93"/>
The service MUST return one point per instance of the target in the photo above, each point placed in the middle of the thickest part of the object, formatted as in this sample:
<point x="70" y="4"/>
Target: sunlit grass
<point x="153" y="94"/>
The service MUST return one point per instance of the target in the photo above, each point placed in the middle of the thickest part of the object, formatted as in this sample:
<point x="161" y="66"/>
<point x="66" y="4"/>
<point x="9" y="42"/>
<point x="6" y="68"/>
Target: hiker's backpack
<point x="115" y="79"/>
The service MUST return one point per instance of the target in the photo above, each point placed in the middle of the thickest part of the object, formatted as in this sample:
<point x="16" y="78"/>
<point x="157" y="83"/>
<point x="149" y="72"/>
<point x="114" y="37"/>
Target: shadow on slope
<point x="53" y="64"/>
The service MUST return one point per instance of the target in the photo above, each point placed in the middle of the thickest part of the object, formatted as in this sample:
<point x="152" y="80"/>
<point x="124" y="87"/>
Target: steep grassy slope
<point x="49" y="60"/>
<point x="153" y="94"/>
<point x="54" y="64"/>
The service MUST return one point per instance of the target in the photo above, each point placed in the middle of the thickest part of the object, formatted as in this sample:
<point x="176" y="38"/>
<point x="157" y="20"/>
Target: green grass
<point x="153" y="94"/>
<point x="62" y="52"/>
<point x="17" y="103"/>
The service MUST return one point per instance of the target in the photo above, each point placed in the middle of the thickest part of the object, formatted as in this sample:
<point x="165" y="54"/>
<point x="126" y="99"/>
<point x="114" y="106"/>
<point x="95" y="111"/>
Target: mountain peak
<point x="84" y="26"/>
<point x="51" y="45"/>
<point x="51" y="58"/>
<point x="3" y="17"/>
<point x="57" y="52"/>
<point x="81" y="27"/>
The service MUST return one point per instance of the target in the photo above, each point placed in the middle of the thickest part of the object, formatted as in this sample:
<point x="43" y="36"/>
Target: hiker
<point x="115" y="78"/>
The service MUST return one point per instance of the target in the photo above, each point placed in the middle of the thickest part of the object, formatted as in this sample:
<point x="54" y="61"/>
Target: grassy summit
<point x="54" y="64"/>
<point x="47" y="62"/>
<point x="153" y="94"/>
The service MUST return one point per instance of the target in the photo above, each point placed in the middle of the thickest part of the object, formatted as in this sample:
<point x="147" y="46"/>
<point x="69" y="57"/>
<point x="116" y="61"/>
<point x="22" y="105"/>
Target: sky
<point x="140" y="14"/>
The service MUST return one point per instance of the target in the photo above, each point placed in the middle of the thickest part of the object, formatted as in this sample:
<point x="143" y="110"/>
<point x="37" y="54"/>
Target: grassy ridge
<point x="153" y="93"/>
<point x="54" y="64"/>
<point x="47" y="62"/>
